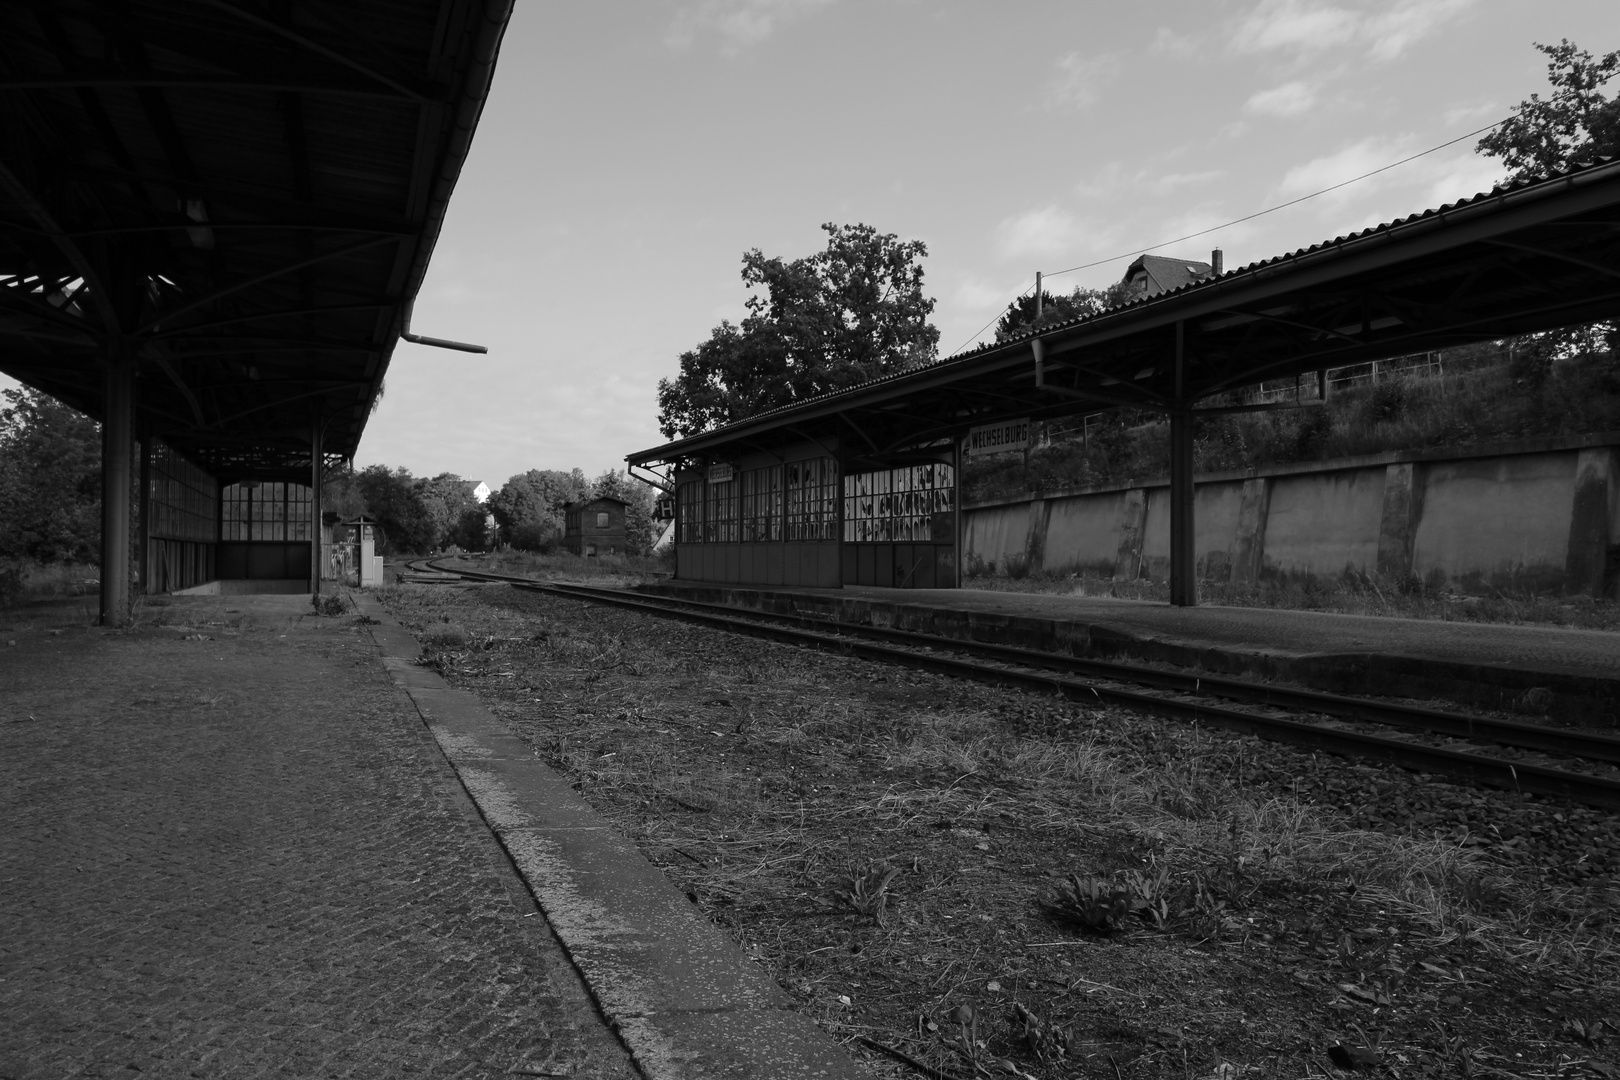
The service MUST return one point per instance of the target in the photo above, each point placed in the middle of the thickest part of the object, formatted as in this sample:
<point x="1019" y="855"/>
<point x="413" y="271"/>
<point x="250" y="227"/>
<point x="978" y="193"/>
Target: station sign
<point x="722" y="472"/>
<point x="1006" y="437"/>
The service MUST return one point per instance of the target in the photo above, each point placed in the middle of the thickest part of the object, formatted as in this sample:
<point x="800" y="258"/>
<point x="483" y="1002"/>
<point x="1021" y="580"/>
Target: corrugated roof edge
<point x="1499" y="193"/>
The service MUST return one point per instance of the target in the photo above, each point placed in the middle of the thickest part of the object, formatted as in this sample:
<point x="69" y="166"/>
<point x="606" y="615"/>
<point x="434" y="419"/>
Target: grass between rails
<point x="989" y="882"/>
<point x="564" y="566"/>
<point x="1358" y="595"/>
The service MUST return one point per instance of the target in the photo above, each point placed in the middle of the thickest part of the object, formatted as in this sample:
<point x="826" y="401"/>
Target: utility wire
<point x="1241" y="220"/>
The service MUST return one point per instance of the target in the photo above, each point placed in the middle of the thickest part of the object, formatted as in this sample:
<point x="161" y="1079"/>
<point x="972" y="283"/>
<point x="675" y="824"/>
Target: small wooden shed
<point x="595" y="526"/>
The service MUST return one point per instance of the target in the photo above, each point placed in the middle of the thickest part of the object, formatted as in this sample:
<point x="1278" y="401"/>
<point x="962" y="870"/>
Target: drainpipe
<point x="437" y="343"/>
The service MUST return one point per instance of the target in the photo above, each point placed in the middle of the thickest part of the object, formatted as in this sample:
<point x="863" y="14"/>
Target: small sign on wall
<point x="1006" y="437"/>
<point x="721" y="472"/>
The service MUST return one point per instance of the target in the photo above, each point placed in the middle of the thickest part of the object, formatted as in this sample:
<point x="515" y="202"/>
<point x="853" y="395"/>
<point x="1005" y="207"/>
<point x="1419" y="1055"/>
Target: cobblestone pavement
<point x="231" y="850"/>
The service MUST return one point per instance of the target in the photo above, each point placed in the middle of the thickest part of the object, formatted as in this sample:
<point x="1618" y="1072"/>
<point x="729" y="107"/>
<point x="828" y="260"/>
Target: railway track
<point x="1548" y="761"/>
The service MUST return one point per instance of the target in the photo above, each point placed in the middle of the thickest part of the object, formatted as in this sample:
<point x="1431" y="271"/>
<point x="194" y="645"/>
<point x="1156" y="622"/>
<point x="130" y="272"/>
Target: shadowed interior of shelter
<point x="215" y="219"/>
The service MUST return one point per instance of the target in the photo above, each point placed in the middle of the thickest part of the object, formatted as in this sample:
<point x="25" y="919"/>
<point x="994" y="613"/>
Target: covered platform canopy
<point x="1526" y="257"/>
<point x="215" y="215"/>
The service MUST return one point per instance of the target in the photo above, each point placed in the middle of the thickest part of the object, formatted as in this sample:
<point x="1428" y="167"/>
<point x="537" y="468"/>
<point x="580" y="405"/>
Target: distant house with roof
<point x="1150" y="275"/>
<point x="480" y="491"/>
<point x="595" y="526"/>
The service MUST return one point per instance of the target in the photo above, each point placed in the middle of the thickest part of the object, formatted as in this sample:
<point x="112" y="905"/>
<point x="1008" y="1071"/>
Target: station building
<point x="862" y="486"/>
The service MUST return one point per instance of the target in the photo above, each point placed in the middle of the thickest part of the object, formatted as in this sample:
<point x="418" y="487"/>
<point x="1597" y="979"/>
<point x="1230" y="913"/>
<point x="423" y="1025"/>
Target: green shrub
<point x="11" y="584"/>
<point x="329" y="603"/>
<point x="444" y="635"/>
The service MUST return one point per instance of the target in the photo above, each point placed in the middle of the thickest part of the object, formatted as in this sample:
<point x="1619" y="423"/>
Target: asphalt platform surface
<point x="1587" y="652"/>
<point x="231" y="847"/>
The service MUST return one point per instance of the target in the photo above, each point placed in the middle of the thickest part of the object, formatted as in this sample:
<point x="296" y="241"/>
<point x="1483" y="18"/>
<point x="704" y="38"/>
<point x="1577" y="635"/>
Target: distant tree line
<point x="420" y="514"/>
<point x="528" y="509"/>
<point x="50" y="495"/>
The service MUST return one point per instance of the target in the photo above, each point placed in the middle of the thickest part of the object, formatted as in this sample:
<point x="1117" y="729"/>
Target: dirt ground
<point x="956" y="880"/>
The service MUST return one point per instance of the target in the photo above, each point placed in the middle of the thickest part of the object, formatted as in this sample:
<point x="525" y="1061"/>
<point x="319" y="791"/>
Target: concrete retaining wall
<point x="1539" y="515"/>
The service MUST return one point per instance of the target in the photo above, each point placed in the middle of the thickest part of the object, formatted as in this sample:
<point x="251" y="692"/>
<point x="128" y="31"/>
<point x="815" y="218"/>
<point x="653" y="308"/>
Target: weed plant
<point x="23" y="581"/>
<point x="898" y="840"/>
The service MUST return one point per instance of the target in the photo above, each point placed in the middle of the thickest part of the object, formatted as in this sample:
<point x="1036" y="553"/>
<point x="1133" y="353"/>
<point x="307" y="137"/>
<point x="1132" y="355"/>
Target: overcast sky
<point x="634" y="149"/>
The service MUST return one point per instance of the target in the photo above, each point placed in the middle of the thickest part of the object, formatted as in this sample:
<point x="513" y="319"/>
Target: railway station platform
<point x="1570" y="676"/>
<point x="239" y="839"/>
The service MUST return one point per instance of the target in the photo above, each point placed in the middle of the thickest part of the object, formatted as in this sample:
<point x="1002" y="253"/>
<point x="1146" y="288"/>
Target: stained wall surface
<point x="1540" y="515"/>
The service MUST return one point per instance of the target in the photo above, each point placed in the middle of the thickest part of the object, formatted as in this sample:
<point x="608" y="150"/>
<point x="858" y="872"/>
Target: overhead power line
<point x="1241" y="220"/>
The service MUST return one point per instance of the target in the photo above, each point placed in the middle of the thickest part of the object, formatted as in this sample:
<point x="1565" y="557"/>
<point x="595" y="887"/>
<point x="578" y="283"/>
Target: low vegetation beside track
<point x="954" y="877"/>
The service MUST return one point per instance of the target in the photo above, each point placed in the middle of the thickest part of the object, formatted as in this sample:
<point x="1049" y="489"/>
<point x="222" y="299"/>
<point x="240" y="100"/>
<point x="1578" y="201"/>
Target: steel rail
<point x="1478" y="768"/>
<point x="1502" y="732"/>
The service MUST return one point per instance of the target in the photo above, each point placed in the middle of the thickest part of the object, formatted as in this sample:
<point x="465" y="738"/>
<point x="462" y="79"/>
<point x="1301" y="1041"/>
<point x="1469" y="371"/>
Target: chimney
<point x="1215" y="263"/>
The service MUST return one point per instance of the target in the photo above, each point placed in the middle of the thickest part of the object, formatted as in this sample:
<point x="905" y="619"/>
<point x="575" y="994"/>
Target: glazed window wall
<point x="812" y="499"/>
<point x="689" y="513"/>
<point x="182" y="499"/>
<point x="720" y="513"/>
<point x="797" y="501"/>
<point x="762" y="504"/>
<point x="897" y="505"/>
<point x="270" y="511"/>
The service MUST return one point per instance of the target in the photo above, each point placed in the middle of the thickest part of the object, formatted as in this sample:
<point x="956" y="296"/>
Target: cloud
<point x="1169" y="43"/>
<point x="1172" y="181"/>
<point x="1341" y="165"/>
<point x="1304" y="27"/>
<point x="1297" y="25"/>
<point x="739" y="23"/>
<point x="1460" y="178"/>
<point x="1405" y="23"/>
<point x="1461" y="114"/>
<point x="976" y="294"/>
<point x="1078" y="81"/>
<point x="1049" y="230"/>
<point x="1289" y="99"/>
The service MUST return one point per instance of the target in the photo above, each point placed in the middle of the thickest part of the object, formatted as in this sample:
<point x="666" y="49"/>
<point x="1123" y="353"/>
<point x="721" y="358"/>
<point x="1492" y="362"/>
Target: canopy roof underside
<point x="1523" y="258"/>
<point x="237" y="196"/>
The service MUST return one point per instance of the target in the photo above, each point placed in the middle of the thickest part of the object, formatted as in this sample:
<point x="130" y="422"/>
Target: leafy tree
<point x="414" y="513"/>
<point x="528" y="507"/>
<point x="639" y="529"/>
<point x="340" y="495"/>
<point x="823" y="322"/>
<point x="50" y="479"/>
<point x="446" y="499"/>
<point x="1574" y="124"/>
<point x="1020" y="318"/>
<point x="394" y="498"/>
<point x="471" y="530"/>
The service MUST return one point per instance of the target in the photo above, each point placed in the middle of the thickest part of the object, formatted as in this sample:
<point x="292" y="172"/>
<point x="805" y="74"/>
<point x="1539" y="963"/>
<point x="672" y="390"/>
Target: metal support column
<point x="1183" y="552"/>
<point x="958" y="519"/>
<point x="117" y="479"/>
<point x="316" y="451"/>
<point x="143" y="542"/>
